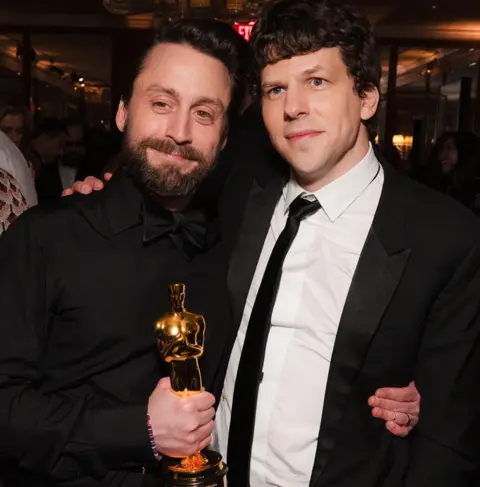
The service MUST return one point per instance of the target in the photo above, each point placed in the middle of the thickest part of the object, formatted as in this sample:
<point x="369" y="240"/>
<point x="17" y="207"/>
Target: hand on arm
<point x="398" y="407"/>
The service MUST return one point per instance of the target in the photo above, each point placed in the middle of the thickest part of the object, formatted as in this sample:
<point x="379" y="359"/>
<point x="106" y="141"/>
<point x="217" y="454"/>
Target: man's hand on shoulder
<point x="86" y="187"/>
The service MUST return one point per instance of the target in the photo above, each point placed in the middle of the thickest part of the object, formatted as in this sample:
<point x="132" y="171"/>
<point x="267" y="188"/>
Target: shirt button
<point x="224" y="396"/>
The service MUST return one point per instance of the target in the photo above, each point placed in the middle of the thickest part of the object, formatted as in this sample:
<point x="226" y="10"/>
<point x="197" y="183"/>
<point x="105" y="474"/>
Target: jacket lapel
<point x="379" y="270"/>
<point x="253" y="231"/>
<point x="264" y="193"/>
<point x="262" y="188"/>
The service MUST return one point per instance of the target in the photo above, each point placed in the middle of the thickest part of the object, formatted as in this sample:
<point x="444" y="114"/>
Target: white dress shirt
<point x="317" y="274"/>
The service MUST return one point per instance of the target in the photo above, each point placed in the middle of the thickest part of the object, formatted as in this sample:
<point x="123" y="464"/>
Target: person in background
<point x="453" y="167"/>
<point x="15" y="123"/>
<point x="17" y="188"/>
<point x="47" y="143"/>
<point x="79" y="158"/>
<point x="75" y="152"/>
<point x="61" y="151"/>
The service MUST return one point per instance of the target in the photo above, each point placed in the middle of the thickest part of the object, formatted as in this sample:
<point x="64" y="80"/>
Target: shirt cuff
<point x="122" y="437"/>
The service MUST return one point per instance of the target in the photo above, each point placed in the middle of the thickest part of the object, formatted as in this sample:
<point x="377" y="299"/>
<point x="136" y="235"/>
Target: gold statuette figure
<point x="180" y="338"/>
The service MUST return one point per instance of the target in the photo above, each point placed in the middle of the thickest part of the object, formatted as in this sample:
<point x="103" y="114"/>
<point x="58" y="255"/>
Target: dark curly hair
<point x="290" y="28"/>
<point x="213" y="38"/>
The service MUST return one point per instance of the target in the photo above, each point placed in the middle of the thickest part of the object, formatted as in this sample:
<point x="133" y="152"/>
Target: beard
<point x="166" y="180"/>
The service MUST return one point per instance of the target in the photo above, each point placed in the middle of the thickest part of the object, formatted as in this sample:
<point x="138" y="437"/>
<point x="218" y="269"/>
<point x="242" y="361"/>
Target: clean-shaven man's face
<point x="314" y="115"/>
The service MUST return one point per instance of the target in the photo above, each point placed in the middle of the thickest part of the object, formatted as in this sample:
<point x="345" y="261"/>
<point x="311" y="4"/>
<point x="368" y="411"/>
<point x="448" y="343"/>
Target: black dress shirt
<point x="81" y="286"/>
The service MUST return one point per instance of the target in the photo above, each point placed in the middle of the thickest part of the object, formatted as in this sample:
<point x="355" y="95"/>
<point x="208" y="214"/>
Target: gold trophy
<point x="180" y="336"/>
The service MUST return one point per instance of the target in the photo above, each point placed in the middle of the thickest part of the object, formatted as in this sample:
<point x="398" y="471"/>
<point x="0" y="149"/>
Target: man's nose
<point x="180" y="128"/>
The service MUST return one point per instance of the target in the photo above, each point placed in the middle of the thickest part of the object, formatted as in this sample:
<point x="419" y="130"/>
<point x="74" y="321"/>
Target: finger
<point x="203" y="401"/>
<point x="384" y="414"/>
<point x="204" y="432"/>
<point x="414" y="390"/>
<point x="193" y="439"/>
<point x="403" y="394"/>
<point x="97" y="185"/>
<point x="403" y="419"/>
<point x="67" y="192"/>
<point x="408" y="420"/>
<point x="107" y="176"/>
<point x="410" y="407"/>
<point x="193" y="421"/>
<point x="76" y="188"/>
<point x="203" y="444"/>
<point x="395" y="429"/>
<point x="205" y="416"/>
<point x="85" y="188"/>
<point x="164" y="384"/>
<point x="395" y="416"/>
<point x="90" y="180"/>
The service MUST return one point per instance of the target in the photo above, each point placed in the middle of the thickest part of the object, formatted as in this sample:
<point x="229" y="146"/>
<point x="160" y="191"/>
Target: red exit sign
<point x="245" y="30"/>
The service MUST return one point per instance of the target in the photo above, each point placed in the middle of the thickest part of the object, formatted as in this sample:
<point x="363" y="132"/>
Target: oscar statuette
<point x="180" y="337"/>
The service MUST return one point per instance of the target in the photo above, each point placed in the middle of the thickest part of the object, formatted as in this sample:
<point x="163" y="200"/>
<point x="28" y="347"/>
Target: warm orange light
<point x="402" y="142"/>
<point x="235" y="5"/>
<point x="199" y="3"/>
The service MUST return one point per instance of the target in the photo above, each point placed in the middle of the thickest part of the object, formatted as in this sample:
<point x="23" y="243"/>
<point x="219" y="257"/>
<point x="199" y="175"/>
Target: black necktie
<point x="253" y="353"/>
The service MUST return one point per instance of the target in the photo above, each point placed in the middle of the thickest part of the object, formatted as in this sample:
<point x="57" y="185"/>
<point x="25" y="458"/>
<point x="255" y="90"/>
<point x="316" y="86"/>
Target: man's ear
<point x="121" y="116"/>
<point x="370" y="100"/>
<point x="224" y="139"/>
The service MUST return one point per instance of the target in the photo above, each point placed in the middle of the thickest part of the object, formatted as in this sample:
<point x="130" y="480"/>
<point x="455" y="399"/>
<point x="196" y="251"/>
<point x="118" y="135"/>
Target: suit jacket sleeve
<point x="445" y="443"/>
<point x="51" y="434"/>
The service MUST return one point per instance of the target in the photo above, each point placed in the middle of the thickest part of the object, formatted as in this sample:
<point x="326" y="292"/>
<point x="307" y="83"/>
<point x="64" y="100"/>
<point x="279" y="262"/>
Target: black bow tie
<point x="191" y="231"/>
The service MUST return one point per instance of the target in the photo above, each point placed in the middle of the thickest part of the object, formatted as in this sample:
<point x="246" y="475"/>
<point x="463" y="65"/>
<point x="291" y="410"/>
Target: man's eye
<point x="317" y="82"/>
<point x="275" y="91"/>
<point x="205" y="115"/>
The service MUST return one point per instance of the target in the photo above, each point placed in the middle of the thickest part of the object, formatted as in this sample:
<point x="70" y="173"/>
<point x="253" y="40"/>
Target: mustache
<point x="168" y="146"/>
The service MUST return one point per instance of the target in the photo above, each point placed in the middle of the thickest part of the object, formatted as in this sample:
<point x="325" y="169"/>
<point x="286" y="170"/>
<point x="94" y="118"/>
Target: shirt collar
<point x="124" y="202"/>
<point x="337" y="196"/>
<point x="126" y="207"/>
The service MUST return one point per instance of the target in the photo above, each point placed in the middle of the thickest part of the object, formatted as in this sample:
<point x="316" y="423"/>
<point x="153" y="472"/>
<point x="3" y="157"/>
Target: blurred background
<point x="69" y="58"/>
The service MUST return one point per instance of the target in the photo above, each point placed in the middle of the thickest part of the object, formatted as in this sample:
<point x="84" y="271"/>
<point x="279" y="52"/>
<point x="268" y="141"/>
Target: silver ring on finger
<point x="409" y="420"/>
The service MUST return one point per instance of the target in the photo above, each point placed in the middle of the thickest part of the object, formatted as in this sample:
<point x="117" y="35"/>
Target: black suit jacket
<point x="412" y="312"/>
<point x="81" y="285"/>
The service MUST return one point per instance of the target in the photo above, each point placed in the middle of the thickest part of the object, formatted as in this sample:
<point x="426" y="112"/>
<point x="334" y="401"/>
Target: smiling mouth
<point x="177" y="157"/>
<point x="295" y="137"/>
<point x="172" y="156"/>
